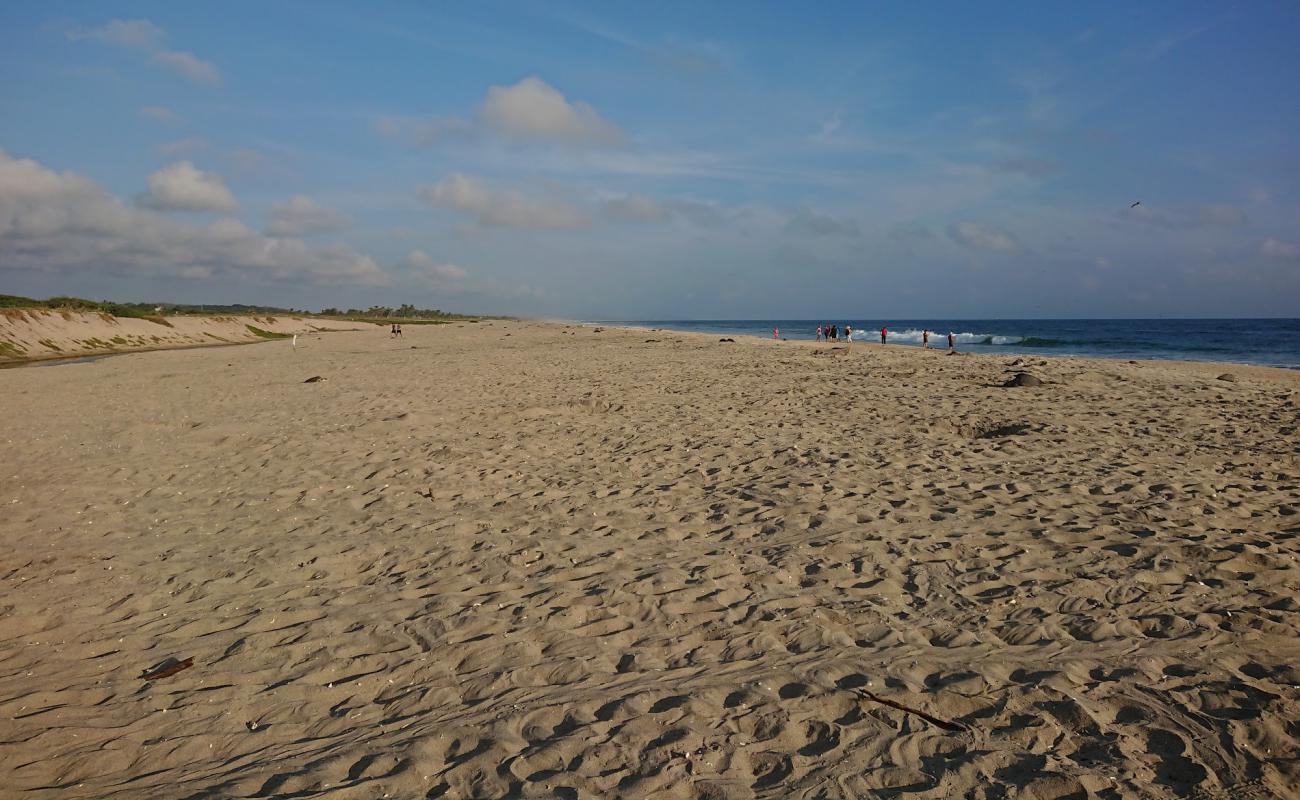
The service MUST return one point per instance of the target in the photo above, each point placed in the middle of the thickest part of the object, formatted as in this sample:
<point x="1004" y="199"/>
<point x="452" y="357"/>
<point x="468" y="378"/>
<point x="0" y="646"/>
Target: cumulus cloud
<point x="533" y="109"/>
<point x="183" y="187"/>
<point x="1275" y="248"/>
<point x="146" y="37"/>
<point x="529" y="111"/>
<point x="158" y="113"/>
<point x="423" y="266"/>
<point x="982" y="237"/>
<point x="300" y="215"/>
<point x="491" y="206"/>
<point x="64" y="221"/>
<point x="812" y="223"/>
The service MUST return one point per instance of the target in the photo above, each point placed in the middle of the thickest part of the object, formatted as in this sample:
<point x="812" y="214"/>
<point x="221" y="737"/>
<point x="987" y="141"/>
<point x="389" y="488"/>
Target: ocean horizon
<point x="1272" y="342"/>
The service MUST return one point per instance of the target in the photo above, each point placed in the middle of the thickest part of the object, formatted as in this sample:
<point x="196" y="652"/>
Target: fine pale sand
<point x="525" y="560"/>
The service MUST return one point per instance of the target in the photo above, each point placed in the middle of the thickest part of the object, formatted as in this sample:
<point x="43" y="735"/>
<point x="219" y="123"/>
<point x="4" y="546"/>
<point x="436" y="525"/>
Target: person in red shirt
<point x="884" y="334"/>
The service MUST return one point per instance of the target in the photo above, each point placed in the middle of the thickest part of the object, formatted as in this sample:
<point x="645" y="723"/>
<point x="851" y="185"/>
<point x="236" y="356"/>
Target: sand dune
<point x="34" y="333"/>
<point x="572" y="564"/>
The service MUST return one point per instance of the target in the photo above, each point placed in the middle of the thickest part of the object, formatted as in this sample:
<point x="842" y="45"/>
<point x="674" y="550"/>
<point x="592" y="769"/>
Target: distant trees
<point x="404" y="311"/>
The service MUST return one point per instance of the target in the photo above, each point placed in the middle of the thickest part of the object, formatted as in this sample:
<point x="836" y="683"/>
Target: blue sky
<point x="677" y="160"/>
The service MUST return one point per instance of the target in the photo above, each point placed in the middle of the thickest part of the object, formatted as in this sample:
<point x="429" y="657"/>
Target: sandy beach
<point x="520" y="559"/>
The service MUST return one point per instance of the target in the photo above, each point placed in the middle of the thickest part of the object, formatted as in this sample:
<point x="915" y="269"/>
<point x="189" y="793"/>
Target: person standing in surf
<point x="819" y="333"/>
<point x="925" y="339"/>
<point x="884" y="334"/>
<point x="952" y="342"/>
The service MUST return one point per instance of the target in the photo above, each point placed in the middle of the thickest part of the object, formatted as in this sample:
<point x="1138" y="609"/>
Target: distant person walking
<point x="819" y="333"/>
<point x="848" y="334"/>
<point x="392" y="332"/>
<point x="884" y="334"/>
<point x="952" y="342"/>
<point x="399" y="331"/>
<point x="776" y="333"/>
<point x="925" y="339"/>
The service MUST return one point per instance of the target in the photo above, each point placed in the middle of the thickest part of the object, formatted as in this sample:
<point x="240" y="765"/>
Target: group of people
<point x="830" y="333"/>
<point x="396" y="332"/>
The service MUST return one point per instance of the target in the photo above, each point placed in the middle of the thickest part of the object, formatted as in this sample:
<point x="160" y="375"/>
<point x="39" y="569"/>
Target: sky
<point x="657" y="161"/>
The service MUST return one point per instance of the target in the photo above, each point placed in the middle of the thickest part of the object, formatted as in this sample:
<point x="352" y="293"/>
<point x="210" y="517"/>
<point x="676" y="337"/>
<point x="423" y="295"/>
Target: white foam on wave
<point x="940" y="338"/>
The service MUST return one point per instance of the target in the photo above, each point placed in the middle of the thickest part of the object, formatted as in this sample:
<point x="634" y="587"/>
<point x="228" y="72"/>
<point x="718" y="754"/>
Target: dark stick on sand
<point x="167" y="669"/>
<point x="942" y="723"/>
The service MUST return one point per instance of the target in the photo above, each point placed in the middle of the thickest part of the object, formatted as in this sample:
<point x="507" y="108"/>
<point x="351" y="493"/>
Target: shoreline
<point x="1282" y="373"/>
<point x="981" y="349"/>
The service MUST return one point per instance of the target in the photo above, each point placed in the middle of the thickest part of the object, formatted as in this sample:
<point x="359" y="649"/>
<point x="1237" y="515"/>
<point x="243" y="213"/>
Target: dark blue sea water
<point x="1270" y="342"/>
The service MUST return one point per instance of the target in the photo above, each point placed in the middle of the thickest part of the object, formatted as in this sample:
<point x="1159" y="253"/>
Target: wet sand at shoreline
<point x="563" y="563"/>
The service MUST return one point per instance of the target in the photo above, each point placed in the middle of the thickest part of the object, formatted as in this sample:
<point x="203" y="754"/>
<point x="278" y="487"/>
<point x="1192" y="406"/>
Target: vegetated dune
<point x="38" y="333"/>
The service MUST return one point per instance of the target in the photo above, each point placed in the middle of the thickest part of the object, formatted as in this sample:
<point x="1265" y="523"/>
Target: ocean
<point x="1267" y="342"/>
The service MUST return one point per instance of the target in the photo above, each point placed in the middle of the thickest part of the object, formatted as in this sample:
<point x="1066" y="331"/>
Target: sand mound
<point x="1023" y="379"/>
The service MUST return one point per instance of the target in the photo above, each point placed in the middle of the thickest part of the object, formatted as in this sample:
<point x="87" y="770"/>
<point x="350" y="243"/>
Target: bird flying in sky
<point x="1136" y="203"/>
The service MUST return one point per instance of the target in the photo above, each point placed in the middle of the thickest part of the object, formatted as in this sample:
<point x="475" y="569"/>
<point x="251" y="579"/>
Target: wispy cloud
<point x="983" y="237"/>
<point x="301" y="216"/>
<point x="159" y="114"/>
<point x="146" y="37"/>
<point x="497" y="207"/>
<point x="1275" y="248"/>
<point x="806" y="222"/>
<point x="183" y="148"/>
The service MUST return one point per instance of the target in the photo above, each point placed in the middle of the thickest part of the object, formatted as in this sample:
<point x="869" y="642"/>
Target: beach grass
<point x="266" y="334"/>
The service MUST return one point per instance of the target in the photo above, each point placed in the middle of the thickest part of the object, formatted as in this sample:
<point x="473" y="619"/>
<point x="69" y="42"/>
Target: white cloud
<point x="1275" y="248"/>
<point x="183" y="148"/>
<point x="143" y="35"/>
<point x="529" y="111"/>
<point x="189" y="65"/>
<point x="501" y="208"/>
<point x="419" y="262"/>
<point x="136" y="34"/>
<point x="983" y="237"/>
<point x="300" y="215"/>
<point x="183" y="187"/>
<point x="533" y="109"/>
<point x="158" y="114"/>
<point x="63" y="221"/>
